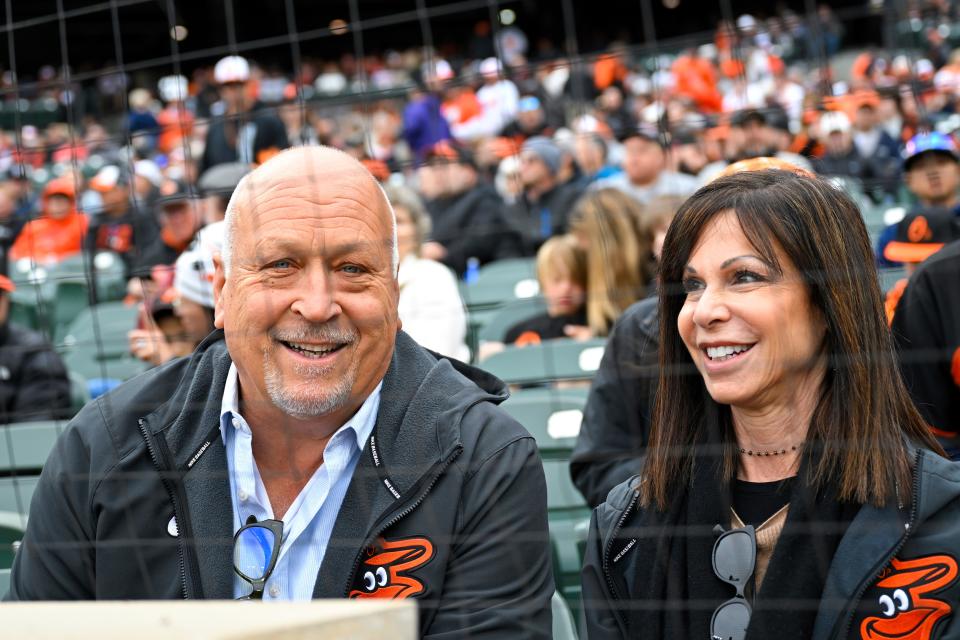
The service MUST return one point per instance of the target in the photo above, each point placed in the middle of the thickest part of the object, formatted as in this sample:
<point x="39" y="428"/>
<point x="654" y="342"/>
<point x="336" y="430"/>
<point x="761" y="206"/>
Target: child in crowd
<point x="562" y="272"/>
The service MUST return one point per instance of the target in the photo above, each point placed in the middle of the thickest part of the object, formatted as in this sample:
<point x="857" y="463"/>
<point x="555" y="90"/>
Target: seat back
<point x="553" y="360"/>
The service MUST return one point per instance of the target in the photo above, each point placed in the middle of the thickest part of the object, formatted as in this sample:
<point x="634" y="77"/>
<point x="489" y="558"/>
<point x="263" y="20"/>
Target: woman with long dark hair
<point x="790" y="488"/>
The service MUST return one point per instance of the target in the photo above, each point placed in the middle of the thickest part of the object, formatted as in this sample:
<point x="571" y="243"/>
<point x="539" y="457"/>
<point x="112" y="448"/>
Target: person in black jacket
<point x="467" y="215"/>
<point x="246" y="130"/>
<point x="33" y="381"/>
<point x="616" y="419"/>
<point x="544" y="205"/>
<point x="389" y="471"/>
<point x="926" y="328"/>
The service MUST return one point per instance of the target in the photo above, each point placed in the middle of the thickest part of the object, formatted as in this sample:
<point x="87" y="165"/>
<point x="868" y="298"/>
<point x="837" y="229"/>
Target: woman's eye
<point x="747" y="277"/>
<point x="691" y="285"/>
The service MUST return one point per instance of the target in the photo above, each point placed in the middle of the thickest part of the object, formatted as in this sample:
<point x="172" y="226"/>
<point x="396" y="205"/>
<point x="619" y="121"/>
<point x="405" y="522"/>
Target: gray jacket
<point x="446" y="478"/>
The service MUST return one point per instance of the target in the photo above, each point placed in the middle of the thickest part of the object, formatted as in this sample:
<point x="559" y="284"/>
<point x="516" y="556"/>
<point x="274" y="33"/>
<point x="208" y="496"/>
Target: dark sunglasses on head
<point x="265" y="538"/>
<point x="734" y="559"/>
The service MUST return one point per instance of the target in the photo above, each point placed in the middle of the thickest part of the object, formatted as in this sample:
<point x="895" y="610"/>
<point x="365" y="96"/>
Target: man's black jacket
<point x="616" y="420"/>
<point x="446" y="477"/>
<point x="926" y="328"/>
<point x="33" y="381"/>
<point x="472" y="225"/>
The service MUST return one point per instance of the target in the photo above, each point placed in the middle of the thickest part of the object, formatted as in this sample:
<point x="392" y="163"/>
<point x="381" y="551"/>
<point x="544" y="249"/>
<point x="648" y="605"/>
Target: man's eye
<point x="351" y="269"/>
<point x="281" y="264"/>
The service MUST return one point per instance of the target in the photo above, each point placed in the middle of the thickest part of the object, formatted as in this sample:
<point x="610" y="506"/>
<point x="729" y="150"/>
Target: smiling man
<point x="387" y="471"/>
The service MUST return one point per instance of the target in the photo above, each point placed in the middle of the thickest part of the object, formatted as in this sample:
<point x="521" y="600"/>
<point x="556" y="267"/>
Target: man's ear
<point x="219" y="280"/>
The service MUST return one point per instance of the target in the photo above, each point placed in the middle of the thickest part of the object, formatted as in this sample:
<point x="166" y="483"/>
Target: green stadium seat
<point x="554" y="360"/>
<point x="564" y="627"/>
<point x="498" y="322"/>
<point x="551" y="415"/>
<point x="16" y="493"/>
<point x="24" y="446"/>
<point x="4" y="582"/>
<point x="70" y="298"/>
<point x="500" y="282"/>
<point x="96" y="345"/>
<point x="12" y="526"/>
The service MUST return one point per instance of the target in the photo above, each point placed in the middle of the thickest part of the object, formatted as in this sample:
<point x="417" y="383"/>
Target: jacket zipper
<point x="606" y="554"/>
<point x="908" y="528"/>
<point x="437" y="470"/>
<point x="171" y="493"/>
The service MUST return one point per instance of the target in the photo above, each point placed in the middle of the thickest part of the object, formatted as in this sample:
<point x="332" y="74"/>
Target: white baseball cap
<point x="834" y="121"/>
<point x="173" y="88"/>
<point x="231" y="69"/>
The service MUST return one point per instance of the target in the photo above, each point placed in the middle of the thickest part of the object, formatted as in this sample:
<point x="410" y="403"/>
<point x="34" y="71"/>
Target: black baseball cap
<point x="646" y="131"/>
<point x="449" y="151"/>
<point x="920" y="235"/>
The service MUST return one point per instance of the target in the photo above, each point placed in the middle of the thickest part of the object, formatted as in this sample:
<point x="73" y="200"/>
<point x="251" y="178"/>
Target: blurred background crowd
<point x="502" y="146"/>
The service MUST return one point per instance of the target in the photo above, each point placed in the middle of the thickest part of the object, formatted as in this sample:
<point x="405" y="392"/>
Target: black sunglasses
<point x="734" y="558"/>
<point x="265" y="538"/>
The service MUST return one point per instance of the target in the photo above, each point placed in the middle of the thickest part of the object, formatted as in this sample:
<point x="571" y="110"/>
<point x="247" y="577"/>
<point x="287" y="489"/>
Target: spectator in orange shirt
<point x="60" y="230"/>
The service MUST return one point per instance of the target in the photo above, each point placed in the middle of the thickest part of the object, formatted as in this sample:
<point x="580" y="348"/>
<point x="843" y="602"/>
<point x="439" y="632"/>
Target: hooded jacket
<point x="46" y="239"/>
<point x="448" y="495"/>
<point x="914" y="551"/>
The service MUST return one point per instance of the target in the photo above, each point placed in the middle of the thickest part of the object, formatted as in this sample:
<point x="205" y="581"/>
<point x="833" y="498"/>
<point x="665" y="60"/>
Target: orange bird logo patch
<point x="907" y="610"/>
<point x="385" y="572"/>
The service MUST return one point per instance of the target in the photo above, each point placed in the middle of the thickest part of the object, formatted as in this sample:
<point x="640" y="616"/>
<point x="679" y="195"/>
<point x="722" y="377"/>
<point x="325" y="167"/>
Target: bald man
<point x="309" y="448"/>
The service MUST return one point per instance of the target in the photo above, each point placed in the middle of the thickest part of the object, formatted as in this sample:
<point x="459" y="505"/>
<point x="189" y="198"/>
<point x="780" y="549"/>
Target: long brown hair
<point x="863" y="414"/>
<point x="618" y="255"/>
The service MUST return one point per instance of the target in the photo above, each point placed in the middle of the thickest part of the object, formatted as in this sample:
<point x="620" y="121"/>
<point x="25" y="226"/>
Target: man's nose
<point x="316" y="296"/>
<point x="711" y="308"/>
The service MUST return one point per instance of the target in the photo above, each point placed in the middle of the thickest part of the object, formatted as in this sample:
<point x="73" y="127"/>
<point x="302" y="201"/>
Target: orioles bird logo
<point x="385" y="571"/>
<point x="907" y="614"/>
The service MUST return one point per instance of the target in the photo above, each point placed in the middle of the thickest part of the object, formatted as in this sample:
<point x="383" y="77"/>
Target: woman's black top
<point x="755" y="502"/>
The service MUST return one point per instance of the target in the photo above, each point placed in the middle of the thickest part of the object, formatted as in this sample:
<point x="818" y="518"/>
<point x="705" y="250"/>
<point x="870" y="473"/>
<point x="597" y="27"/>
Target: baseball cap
<point x="222" y="179"/>
<point x="528" y="103"/>
<point x="231" y="69"/>
<point x="194" y="269"/>
<point x="646" y="131"/>
<point x="173" y="88"/>
<point x="449" y="151"/>
<point x="922" y="234"/>
<point x="545" y="149"/>
<point x="172" y="191"/>
<point x="928" y="142"/>
<point x="834" y="121"/>
<point x="110" y="177"/>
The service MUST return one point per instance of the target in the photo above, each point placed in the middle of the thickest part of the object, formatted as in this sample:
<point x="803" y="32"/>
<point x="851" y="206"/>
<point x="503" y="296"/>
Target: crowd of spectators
<point x="490" y="156"/>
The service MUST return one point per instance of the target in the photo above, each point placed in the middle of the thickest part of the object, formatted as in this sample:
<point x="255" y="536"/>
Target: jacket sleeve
<point x="56" y="559"/>
<point x="597" y="622"/>
<point x="499" y="579"/>
<point x="616" y="419"/>
<point x="925" y="360"/>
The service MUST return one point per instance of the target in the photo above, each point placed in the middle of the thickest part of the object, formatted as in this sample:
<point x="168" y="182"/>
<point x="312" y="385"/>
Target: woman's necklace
<point x="775" y="452"/>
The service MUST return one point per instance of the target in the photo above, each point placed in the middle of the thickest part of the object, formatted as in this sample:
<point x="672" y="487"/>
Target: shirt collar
<point x="362" y="421"/>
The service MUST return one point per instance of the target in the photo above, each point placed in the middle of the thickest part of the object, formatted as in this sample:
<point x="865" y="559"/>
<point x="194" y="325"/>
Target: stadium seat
<point x="563" y="625"/>
<point x="554" y="360"/>
<point x="500" y="282"/>
<point x="553" y="417"/>
<point x="96" y="346"/>
<point x="4" y="582"/>
<point x="12" y="526"/>
<point x="890" y="277"/>
<point x="498" y="322"/>
<point x="70" y="298"/>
